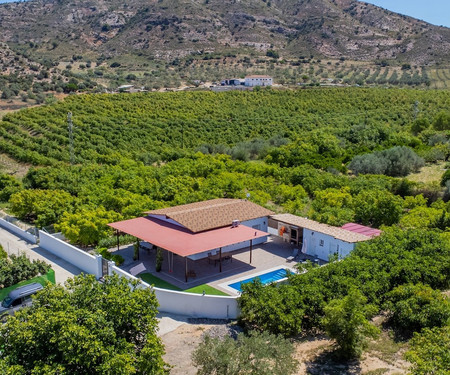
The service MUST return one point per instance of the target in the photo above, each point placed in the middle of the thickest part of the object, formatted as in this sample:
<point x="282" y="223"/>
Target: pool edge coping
<point x="235" y="292"/>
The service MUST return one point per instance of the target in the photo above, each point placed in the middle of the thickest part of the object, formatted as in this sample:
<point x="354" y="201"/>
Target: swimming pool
<point x="266" y="278"/>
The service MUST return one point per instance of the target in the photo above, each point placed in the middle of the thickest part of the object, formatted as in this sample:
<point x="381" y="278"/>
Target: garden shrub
<point x="397" y="161"/>
<point x="415" y="307"/>
<point x="346" y="321"/>
<point x="429" y="352"/>
<point x="116" y="258"/>
<point x="18" y="268"/>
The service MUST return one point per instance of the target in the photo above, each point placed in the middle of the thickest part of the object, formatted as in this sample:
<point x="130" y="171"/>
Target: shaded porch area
<point x="271" y="254"/>
<point x="187" y="255"/>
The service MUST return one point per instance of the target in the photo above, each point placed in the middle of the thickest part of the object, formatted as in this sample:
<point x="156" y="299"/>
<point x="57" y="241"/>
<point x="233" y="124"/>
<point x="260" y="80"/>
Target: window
<point x="16" y="302"/>
<point x="321" y="243"/>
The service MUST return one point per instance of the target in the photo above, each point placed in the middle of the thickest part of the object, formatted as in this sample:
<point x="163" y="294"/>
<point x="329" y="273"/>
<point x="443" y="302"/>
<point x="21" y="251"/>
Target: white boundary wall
<point x="20" y="232"/>
<point x="190" y="304"/>
<point x="86" y="262"/>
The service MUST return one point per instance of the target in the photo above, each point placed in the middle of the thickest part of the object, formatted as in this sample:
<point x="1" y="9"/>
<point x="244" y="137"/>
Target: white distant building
<point x="258" y="81"/>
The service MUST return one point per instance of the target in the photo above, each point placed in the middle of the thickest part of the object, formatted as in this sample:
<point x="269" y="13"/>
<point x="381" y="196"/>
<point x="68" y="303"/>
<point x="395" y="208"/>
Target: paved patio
<point x="265" y="256"/>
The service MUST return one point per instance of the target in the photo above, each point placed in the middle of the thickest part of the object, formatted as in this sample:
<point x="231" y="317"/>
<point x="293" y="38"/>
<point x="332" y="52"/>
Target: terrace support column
<point x="118" y="242"/>
<point x="185" y="269"/>
<point x="220" y="260"/>
<point x="251" y="246"/>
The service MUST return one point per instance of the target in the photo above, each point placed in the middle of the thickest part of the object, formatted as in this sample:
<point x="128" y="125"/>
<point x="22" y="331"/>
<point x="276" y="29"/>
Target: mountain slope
<point x="168" y="29"/>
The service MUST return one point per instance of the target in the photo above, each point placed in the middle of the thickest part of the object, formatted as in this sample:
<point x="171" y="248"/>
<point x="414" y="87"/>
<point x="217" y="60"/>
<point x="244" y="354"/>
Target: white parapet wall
<point x="19" y="231"/>
<point x="189" y="304"/>
<point x="86" y="262"/>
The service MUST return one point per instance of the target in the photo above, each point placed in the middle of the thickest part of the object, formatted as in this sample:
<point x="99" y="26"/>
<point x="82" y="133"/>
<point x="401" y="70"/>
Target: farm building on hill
<point x="320" y="240"/>
<point x="257" y="80"/>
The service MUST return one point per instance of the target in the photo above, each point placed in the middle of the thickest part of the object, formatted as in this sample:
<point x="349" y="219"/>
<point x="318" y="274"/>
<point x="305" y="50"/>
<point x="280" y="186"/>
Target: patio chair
<point x="293" y="256"/>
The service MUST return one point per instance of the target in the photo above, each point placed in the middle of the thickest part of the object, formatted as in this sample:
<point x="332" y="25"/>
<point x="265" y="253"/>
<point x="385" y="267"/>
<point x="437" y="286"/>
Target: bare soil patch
<point x="429" y="173"/>
<point x="315" y="354"/>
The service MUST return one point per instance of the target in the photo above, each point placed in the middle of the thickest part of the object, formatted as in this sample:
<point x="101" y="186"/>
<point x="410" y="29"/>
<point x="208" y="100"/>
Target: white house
<point x="316" y="239"/>
<point x="258" y="81"/>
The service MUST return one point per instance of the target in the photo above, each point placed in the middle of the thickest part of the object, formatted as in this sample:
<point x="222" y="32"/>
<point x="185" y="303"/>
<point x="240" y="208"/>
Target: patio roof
<point x="181" y="241"/>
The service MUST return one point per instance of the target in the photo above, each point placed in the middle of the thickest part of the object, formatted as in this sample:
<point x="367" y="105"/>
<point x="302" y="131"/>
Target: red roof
<point x="180" y="240"/>
<point x="361" y="229"/>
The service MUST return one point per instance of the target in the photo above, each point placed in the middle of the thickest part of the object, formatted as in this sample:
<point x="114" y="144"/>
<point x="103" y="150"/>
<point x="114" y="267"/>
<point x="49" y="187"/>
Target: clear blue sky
<point x="436" y="12"/>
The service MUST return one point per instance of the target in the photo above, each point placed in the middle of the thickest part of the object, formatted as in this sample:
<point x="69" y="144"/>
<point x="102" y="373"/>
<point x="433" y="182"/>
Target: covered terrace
<point x="182" y="242"/>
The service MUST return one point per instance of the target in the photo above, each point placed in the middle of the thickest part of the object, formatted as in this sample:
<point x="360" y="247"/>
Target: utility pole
<point x="416" y="109"/>
<point x="70" y="128"/>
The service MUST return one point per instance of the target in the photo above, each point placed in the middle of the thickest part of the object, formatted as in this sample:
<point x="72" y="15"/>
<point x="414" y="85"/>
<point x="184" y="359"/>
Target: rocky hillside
<point x="169" y="29"/>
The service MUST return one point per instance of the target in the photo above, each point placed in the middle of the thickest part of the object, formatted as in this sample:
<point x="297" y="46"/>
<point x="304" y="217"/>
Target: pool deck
<point x="267" y="256"/>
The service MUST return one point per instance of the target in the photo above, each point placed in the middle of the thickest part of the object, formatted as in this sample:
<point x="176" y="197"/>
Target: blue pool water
<point x="265" y="278"/>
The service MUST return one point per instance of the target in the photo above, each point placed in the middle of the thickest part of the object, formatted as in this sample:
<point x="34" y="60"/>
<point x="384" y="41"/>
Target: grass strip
<point x="43" y="280"/>
<point x="158" y="283"/>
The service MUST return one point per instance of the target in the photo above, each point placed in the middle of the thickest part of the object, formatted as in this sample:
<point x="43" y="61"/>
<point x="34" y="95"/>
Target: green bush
<point x="3" y="253"/>
<point x="429" y="352"/>
<point x="415" y="307"/>
<point x="19" y="268"/>
<point x="397" y="162"/>
<point x="116" y="258"/>
<point x="346" y="321"/>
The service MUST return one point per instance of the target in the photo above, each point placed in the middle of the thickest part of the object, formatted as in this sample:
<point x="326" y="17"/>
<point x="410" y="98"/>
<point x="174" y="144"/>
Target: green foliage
<point x="85" y="328"/>
<point x="375" y="268"/>
<point x="270" y="308"/>
<point x="346" y="321"/>
<point x="116" y="258"/>
<point x="396" y="161"/>
<point x="377" y="208"/>
<point x="445" y="177"/>
<point x="442" y="121"/>
<point x="18" y="268"/>
<point x="415" y="307"/>
<point x="8" y="186"/>
<point x="41" y="207"/>
<point x="429" y="352"/>
<point x="87" y="227"/>
<point x="352" y="119"/>
<point x="3" y="253"/>
<point x="257" y="353"/>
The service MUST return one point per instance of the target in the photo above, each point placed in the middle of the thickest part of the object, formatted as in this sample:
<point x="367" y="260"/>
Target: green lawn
<point x="157" y="282"/>
<point x="49" y="277"/>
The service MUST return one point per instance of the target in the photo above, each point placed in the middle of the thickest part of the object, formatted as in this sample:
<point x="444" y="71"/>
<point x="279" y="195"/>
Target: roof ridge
<point x="193" y="209"/>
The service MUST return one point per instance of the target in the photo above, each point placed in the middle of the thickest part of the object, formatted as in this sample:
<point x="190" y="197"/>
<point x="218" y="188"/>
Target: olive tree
<point x="258" y="353"/>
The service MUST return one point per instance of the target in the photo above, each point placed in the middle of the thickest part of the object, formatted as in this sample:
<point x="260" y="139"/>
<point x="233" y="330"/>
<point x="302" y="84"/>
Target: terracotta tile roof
<point x="215" y="213"/>
<point x="180" y="240"/>
<point x="339" y="233"/>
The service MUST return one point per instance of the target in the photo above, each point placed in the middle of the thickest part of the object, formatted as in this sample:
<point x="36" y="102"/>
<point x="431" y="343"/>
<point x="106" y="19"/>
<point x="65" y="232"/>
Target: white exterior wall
<point x="86" y="262"/>
<point x="260" y="223"/>
<point x="258" y="81"/>
<point x="330" y="246"/>
<point x="20" y="232"/>
<point x="189" y="304"/>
